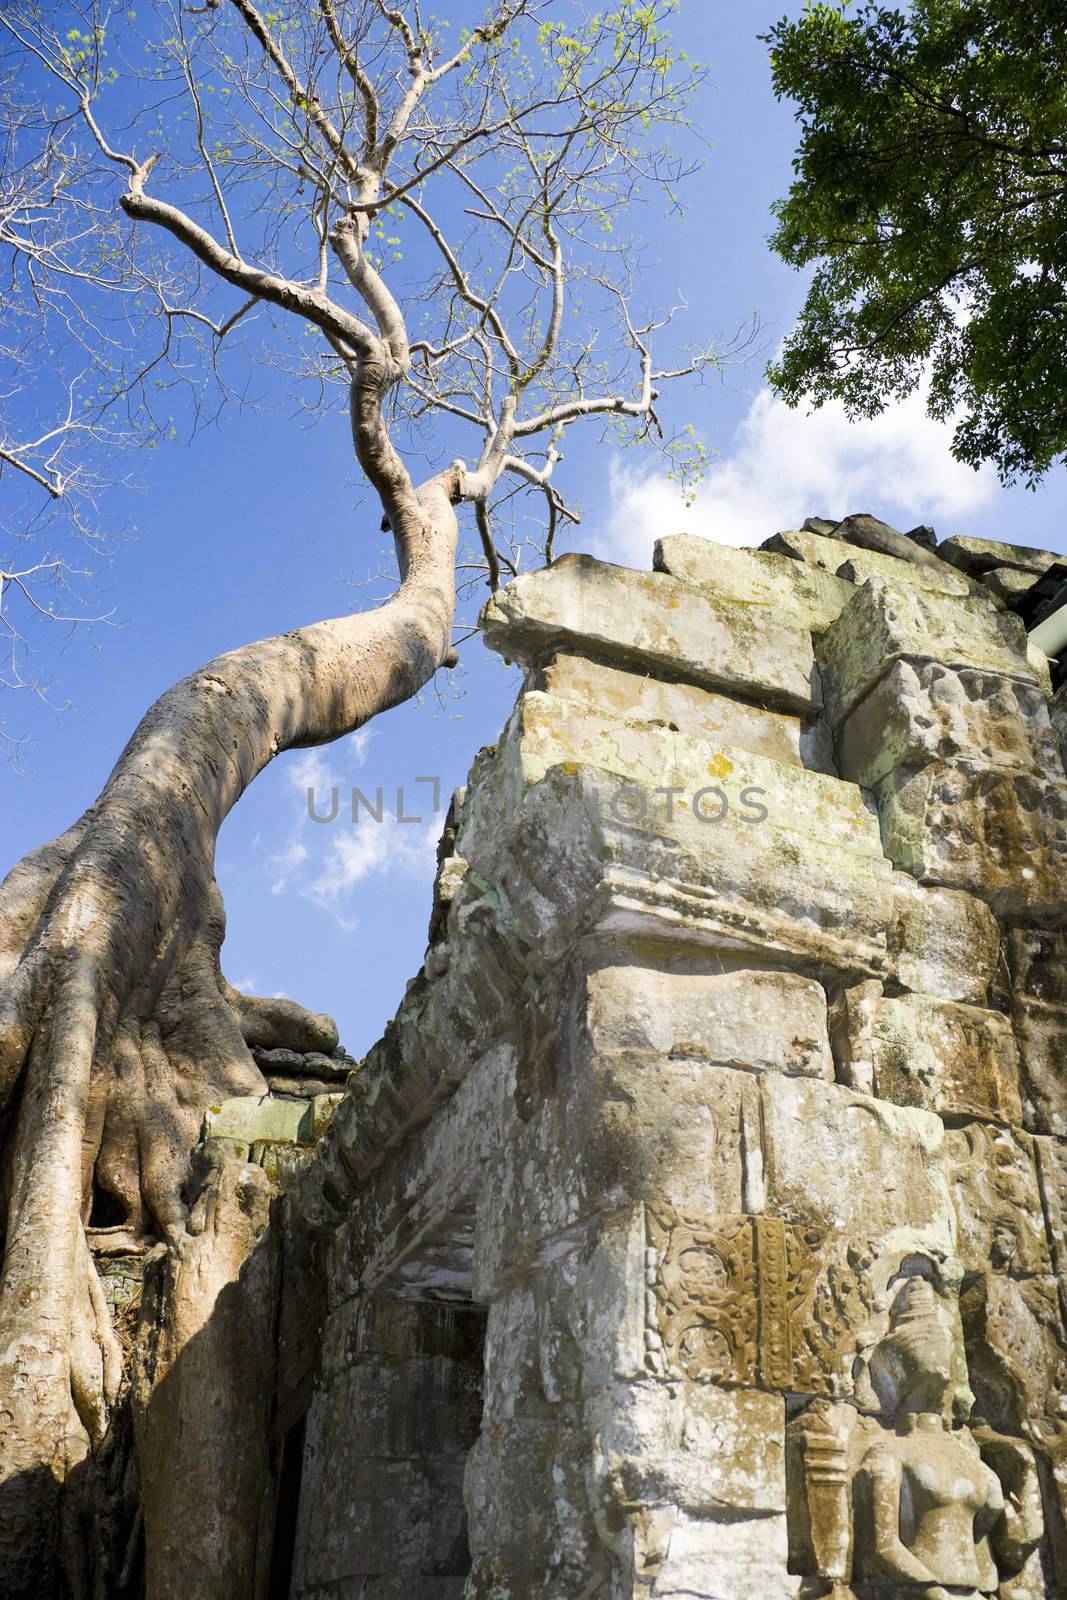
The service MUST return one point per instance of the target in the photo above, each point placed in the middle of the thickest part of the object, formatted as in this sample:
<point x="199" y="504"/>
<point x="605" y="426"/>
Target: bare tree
<point x="257" y="179"/>
<point x="49" y="477"/>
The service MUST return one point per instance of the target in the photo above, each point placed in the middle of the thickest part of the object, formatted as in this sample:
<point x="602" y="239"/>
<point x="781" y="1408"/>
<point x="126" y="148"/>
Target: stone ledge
<point x="652" y="622"/>
<point x="976" y="556"/>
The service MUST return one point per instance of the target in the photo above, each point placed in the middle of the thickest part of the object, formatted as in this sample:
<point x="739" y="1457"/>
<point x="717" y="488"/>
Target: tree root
<point x="105" y="1084"/>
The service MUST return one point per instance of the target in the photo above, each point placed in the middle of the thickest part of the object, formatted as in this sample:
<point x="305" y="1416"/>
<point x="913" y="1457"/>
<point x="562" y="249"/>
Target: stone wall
<point x="697" y="1228"/>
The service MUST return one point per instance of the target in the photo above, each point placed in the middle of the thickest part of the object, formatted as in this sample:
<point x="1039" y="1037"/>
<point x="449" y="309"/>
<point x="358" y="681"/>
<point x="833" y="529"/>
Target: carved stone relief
<point x="752" y="1301"/>
<point x="993" y="1179"/>
<point x="909" y="1501"/>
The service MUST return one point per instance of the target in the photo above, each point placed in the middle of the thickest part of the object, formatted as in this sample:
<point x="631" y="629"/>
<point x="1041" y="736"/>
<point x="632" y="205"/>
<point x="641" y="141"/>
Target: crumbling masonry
<point x="697" y="1228"/>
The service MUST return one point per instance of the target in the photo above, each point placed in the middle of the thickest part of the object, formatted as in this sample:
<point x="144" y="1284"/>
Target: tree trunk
<point x="116" y="1027"/>
<point x="203" y="1388"/>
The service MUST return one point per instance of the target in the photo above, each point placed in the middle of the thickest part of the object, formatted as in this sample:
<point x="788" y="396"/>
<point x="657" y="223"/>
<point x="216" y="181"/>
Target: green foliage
<point x="931" y="196"/>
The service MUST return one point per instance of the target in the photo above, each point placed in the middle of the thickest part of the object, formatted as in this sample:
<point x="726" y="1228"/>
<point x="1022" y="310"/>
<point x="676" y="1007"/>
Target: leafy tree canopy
<point x="931" y="196"/>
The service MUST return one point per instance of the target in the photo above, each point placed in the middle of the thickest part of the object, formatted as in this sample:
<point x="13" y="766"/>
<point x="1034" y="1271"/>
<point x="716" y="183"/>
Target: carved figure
<point x="935" y="1511"/>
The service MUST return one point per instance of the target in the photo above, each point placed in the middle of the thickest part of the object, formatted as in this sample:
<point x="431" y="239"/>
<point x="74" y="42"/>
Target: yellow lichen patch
<point x="720" y="766"/>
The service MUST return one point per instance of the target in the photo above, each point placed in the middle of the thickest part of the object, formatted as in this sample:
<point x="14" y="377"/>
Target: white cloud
<point x="356" y="744"/>
<point x="285" y="862"/>
<point x="325" y="860"/>
<point x="783" y="466"/>
<point x="312" y="769"/>
<point x="356" y="853"/>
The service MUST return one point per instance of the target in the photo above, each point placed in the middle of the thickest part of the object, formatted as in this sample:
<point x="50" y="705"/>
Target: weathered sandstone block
<point x="532" y="1530"/>
<point x="883" y="623"/>
<point x="920" y="713"/>
<point x="727" y="1556"/>
<point x="979" y="556"/>
<point x="1016" y="1349"/>
<point x="684" y="708"/>
<point x="759" y="1021"/>
<point x="999" y="835"/>
<point x="260" y="1119"/>
<point x="942" y="942"/>
<point x="1009" y="583"/>
<point x="833" y="555"/>
<point x="661" y="770"/>
<point x="956" y="1060"/>
<point x="625" y="1126"/>
<point x="653" y="623"/>
<point x="692" y="1445"/>
<point x="807" y="595"/>
<point x="1041" y="1032"/>
<point x="993" y="1178"/>
<point x="846" y="1161"/>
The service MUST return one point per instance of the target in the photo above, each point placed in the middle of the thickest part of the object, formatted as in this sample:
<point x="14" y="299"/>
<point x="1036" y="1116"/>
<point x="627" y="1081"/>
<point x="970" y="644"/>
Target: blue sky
<point x="259" y="525"/>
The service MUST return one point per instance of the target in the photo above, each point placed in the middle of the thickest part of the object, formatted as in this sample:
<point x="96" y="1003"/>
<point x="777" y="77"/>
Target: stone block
<point x="978" y="556"/>
<point x="653" y="623"/>
<point x="925" y="712"/>
<point x="663" y="771"/>
<point x="623" y="1126"/>
<point x="260" y="1119"/>
<point x="857" y="1166"/>
<point x="1041" y="1032"/>
<point x="1010" y="584"/>
<point x="723" y="1558"/>
<point x="1016" y="1350"/>
<point x="563" y="1188"/>
<point x="684" y="708"/>
<point x="833" y="555"/>
<point x="993" y="1179"/>
<point x="999" y="835"/>
<point x="959" y="1061"/>
<point x="852" y="1013"/>
<point x="808" y="595"/>
<point x="694" y="1446"/>
<point x="761" y="1021"/>
<point x="884" y="623"/>
<point x="943" y="942"/>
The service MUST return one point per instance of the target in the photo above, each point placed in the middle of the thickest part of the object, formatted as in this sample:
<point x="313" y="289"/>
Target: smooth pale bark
<point x="116" y="1026"/>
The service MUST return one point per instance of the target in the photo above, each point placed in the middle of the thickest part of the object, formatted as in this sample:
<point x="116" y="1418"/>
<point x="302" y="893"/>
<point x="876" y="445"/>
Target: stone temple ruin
<point x="697" y="1228"/>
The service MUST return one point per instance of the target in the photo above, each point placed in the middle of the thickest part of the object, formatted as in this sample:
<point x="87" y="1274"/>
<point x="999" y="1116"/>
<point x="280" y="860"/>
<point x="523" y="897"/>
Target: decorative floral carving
<point x="747" y="1300"/>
